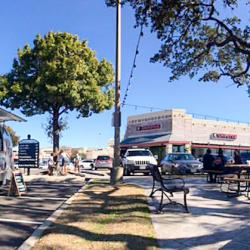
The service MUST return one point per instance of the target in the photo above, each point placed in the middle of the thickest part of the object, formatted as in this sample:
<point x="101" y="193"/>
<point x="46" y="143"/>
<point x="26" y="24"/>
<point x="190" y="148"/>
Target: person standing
<point x="63" y="160"/>
<point x="237" y="158"/>
<point x="77" y="163"/>
<point x="208" y="164"/>
<point x="51" y="164"/>
<point x="220" y="161"/>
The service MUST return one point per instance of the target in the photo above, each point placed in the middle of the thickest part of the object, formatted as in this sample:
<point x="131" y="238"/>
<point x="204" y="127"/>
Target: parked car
<point x="137" y="160"/>
<point x="228" y="159"/>
<point x="245" y="156"/>
<point x="103" y="161"/>
<point x="87" y="164"/>
<point x="180" y="163"/>
<point x="43" y="164"/>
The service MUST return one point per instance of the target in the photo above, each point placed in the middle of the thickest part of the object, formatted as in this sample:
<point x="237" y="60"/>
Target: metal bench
<point x="167" y="186"/>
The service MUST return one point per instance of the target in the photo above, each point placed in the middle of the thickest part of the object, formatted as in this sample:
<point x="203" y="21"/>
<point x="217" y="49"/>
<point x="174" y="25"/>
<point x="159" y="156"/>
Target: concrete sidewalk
<point x="214" y="222"/>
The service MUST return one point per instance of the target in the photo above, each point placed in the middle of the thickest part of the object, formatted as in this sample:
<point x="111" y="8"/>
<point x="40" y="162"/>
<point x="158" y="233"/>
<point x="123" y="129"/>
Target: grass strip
<point x="103" y="217"/>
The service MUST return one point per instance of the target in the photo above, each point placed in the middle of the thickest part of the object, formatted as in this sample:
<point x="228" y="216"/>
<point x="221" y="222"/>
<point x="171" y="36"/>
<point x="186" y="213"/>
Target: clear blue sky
<point x="91" y="20"/>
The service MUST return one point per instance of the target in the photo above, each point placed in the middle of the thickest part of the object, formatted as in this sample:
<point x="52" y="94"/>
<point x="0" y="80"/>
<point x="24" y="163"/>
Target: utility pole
<point x="117" y="171"/>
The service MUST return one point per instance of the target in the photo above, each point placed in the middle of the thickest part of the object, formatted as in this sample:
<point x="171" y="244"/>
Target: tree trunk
<point x="56" y="131"/>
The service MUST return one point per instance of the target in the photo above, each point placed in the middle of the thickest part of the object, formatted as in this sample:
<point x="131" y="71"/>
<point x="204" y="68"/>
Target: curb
<point x="36" y="235"/>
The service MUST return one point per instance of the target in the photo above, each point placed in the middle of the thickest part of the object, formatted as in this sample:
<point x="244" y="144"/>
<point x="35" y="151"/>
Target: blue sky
<point x="91" y="20"/>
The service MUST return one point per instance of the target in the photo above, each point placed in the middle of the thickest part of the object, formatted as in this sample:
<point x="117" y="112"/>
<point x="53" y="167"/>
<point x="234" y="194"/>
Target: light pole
<point x="117" y="171"/>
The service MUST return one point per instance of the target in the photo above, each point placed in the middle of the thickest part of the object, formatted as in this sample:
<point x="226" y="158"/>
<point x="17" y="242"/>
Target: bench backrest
<point x="155" y="172"/>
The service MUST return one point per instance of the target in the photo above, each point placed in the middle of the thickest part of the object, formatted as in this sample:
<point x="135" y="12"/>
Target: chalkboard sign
<point x="28" y="153"/>
<point x="17" y="185"/>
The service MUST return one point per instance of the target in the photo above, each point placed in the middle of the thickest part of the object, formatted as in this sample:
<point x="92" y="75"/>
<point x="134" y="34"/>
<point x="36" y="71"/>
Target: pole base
<point x="116" y="175"/>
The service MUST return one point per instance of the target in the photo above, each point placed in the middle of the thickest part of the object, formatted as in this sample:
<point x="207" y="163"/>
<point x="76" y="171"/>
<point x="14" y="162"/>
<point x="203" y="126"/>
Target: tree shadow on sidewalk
<point x="104" y="217"/>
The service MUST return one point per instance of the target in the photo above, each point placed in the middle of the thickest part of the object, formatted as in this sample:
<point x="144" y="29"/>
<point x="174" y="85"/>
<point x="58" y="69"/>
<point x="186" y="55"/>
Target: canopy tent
<point x="8" y="116"/>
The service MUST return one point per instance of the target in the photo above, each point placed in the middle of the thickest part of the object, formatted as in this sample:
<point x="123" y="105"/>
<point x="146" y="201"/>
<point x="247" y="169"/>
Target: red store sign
<point x="229" y="137"/>
<point x="148" y="127"/>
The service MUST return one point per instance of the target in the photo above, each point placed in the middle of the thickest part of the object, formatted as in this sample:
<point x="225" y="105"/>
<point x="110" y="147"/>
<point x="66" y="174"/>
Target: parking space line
<point x="21" y="221"/>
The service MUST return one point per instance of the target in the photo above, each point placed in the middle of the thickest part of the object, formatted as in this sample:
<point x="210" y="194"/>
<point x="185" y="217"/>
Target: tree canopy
<point x="60" y="73"/>
<point x="198" y="34"/>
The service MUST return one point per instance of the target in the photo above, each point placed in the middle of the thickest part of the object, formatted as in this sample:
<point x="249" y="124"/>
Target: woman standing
<point x="63" y="160"/>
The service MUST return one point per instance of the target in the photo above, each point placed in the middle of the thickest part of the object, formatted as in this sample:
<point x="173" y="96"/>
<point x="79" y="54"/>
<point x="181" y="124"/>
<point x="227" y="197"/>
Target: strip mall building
<point x="176" y="131"/>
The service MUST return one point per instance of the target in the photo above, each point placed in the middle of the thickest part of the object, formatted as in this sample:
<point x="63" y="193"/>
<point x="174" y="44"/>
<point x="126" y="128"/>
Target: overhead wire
<point x="133" y="66"/>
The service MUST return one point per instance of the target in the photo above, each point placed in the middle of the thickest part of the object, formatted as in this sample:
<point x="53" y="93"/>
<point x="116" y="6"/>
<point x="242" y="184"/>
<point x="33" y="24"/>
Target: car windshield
<point x="139" y="153"/>
<point x="103" y="158"/>
<point x="181" y="157"/>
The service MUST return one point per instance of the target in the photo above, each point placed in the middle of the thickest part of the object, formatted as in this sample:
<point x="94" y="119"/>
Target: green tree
<point x="58" y="74"/>
<point x="14" y="137"/>
<point x="199" y="34"/>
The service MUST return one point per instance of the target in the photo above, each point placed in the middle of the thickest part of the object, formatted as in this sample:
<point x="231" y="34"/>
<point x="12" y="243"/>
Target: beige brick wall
<point x="185" y="128"/>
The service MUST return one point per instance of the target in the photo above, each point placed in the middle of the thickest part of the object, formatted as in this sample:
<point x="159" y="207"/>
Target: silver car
<point x="180" y="163"/>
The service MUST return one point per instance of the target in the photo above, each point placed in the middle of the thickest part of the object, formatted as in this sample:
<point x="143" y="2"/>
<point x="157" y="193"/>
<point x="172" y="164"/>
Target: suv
<point x="180" y="163"/>
<point x="136" y="160"/>
<point x="103" y="161"/>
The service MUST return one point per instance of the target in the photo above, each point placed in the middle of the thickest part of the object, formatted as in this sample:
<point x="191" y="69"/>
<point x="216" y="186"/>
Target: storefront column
<point x="188" y="148"/>
<point x="168" y="148"/>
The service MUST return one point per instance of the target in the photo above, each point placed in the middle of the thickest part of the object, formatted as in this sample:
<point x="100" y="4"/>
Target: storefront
<point x="176" y="131"/>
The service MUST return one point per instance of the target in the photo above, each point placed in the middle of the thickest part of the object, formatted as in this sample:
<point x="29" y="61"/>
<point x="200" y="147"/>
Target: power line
<point x="143" y="107"/>
<point x="133" y="67"/>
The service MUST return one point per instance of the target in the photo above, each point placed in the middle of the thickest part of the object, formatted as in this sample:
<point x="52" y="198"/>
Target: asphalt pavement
<point x="20" y="216"/>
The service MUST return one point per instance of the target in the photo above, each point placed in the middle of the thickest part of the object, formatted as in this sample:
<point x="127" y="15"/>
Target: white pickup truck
<point x="136" y="160"/>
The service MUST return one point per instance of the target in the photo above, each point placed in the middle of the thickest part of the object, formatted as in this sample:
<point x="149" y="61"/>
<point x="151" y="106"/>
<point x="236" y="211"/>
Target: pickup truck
<point x="136" y="160"/>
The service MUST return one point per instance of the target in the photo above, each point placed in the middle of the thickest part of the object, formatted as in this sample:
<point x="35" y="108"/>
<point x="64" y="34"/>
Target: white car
<point x="137" y="160"/>
<point x="87" y="164"/>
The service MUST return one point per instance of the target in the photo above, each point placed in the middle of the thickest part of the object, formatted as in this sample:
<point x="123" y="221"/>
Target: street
<point x="20" y="216"/>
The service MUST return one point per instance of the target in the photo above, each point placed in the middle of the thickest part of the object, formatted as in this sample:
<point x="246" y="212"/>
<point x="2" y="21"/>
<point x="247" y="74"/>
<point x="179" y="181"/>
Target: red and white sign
<point x="228" y="137"/>
<point x="148" y="127"/>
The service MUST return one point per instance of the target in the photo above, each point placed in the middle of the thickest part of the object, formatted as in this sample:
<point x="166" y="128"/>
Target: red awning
<point x="219" y="146"/>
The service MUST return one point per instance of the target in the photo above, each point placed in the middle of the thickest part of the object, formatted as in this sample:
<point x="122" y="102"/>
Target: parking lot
<point x="20" y="216"/>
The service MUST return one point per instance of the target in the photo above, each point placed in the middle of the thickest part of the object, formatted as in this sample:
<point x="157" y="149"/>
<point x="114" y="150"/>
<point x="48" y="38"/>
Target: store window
<point x="228" y="152"/>
<point x="198" y="152"/>
<point x="159" y="151"/>
<point x="178" y="148"/>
